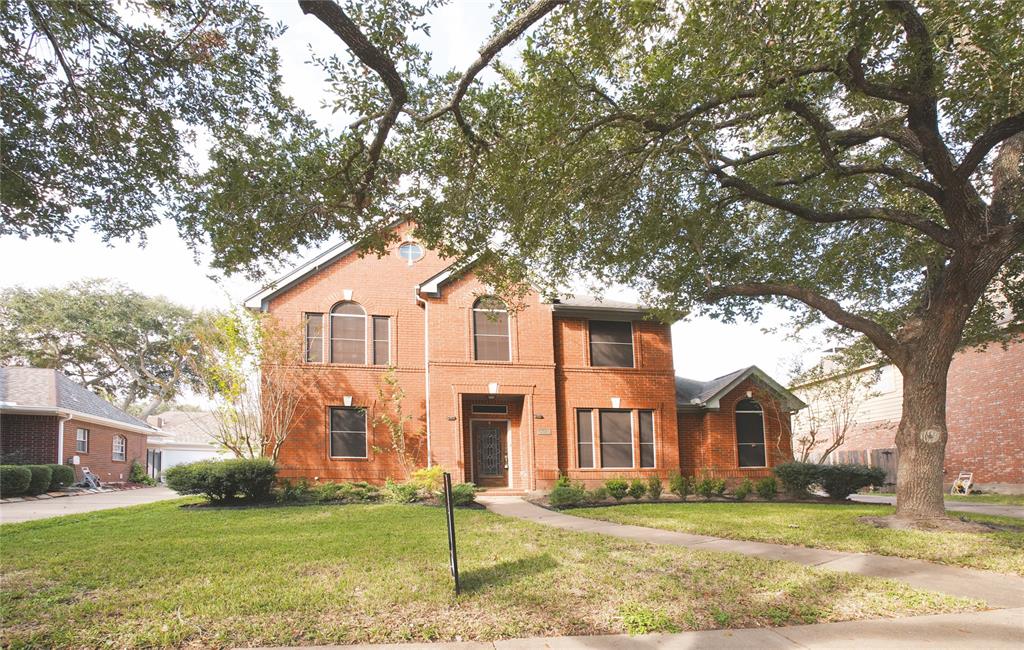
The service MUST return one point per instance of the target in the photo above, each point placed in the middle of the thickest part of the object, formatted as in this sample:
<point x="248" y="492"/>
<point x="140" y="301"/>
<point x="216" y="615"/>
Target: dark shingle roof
<point x="705" y="394"/>
<point x="48" y="388"/>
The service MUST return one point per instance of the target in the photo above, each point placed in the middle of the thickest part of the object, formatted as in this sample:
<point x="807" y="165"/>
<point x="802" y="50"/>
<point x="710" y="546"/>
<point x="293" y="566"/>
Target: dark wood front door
<point x="490" y="453"/>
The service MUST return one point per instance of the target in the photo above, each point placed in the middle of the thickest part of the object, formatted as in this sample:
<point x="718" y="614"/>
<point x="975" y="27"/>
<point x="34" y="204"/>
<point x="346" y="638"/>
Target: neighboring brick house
<point x="46" y="418"/>
<point x="507" y="398"/>
<point x="984" y="417"/>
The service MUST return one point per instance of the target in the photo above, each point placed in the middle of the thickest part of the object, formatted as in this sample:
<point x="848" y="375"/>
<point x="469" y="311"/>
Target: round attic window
<point x="410" y="252"/>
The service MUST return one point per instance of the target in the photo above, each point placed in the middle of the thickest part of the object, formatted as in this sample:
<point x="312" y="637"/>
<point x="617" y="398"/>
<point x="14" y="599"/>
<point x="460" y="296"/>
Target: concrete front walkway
<point x="30" y="510"/>
<point x="996" y="589"/>
<point x="959" y="506"/>
<point x="997" y="629"/>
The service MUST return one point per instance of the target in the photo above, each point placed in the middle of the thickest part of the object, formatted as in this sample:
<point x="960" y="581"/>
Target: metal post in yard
<point x="450" y="513"/>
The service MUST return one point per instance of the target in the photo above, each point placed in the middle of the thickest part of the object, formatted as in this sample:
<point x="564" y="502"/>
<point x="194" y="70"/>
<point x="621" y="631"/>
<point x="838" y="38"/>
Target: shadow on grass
<point x="506" y="572"/>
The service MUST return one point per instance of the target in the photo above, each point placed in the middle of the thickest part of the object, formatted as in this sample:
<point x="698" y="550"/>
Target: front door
<point x="490" y="453"/>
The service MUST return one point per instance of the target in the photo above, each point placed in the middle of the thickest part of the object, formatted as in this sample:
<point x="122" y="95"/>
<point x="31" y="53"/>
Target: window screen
<point x="82" y="440"/>
<point x="381" y="340"/>
<point x="611" y="344"/>
<point x="585" y="438"/>
<point x="348" y="333"/>
<point x="348" y="432"/>
<point x="750" y="434"/>
<point x="490" y="330"/>
<point x="646" y="438"/>
<point x="616" y="439"/>
<point x="315" y="338"/>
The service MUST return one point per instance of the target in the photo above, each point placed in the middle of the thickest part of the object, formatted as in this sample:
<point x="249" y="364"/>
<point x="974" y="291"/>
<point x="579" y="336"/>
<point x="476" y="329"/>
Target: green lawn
<point x="830" y="526"/>
<point x="997" y="499"/>
<point x="162" y="575"/>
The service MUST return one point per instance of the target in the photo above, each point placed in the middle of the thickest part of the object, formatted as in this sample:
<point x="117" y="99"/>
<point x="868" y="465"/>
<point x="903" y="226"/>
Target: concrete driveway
<point x="30" y="510"/>
<point x="960" y="506"/>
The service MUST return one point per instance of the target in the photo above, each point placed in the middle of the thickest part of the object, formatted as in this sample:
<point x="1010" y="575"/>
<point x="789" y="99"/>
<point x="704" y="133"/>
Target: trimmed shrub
<point x="400" y="492"/>
<point x="224" y="480"/>
<point x="680" y="485"/>
<point x="743" y="489"/>
<point x="137" y="474"/>
<point x="14" y="480"/>
<point x="709" y="487"/>
<point x="463" y="494"/>
<point x="62" y="476"/>
<point x="40" y="481"/>
<point x="359" y="491"/>
<point x="430" y="479"/>
<point x="654" y="487"/>
<point x="597" y="495"/>
<point x="562" y="496"/>
<point x="617" y="487"/>
<point x="289" y="492"/>
<point x="562" y="481"/>
<point x="637" y="489"/>
<point x="798" y="478"/>
<point x="767" y="488"/>
<point x="840" y="481"/>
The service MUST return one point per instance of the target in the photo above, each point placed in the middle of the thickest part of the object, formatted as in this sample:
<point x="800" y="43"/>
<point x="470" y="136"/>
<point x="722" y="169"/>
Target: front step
<point x="500" y="492"/>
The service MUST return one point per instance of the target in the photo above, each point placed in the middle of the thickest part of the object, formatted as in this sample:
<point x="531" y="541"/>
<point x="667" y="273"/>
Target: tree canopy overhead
<point x="852" y="161"/>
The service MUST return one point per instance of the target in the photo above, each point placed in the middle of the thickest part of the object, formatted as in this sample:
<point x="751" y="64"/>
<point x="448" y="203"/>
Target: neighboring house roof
<point x="185" y="429"/>
<point x="693" y="393"/>
<point x="49" y="391"/>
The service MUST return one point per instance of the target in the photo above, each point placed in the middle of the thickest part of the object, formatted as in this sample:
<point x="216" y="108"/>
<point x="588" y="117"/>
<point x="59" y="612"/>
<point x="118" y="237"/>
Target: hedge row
<point x="224" y="480"/>
<point x="838" y="481"/>
<point x="16" y="480"/>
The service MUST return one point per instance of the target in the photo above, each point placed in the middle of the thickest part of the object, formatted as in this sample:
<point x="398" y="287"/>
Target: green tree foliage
<point x="135" y="350"/>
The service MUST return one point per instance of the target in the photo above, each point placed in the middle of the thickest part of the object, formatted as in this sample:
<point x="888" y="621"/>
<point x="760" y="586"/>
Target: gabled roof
<point x="44" y="390"/>
<point x="186" y="428"/>
<point x="693" y="393"/>
<point x="432" y="286"/>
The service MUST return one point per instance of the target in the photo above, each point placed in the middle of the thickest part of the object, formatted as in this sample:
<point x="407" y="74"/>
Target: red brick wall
<point x="708" y="438"/>
<point x="99" y="458"/>
<point x="29" y="439"/>
<point x="385" y="286"/>
<point x="984" y="416"/>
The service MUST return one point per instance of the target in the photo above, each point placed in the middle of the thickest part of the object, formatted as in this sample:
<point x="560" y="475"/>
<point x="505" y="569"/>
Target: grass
<point x="996" y="499"/>
<point x="162" y="575"/>
<point x="833" y="527"/>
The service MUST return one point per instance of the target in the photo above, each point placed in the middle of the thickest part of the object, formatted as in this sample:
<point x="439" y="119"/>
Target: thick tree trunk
<point x="921" y="439"/>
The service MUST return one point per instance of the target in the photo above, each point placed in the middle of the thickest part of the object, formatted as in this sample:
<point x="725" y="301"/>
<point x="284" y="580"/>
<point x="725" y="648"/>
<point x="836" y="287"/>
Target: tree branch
<point x="992" y="136"/>
<point x="830" y="308"/>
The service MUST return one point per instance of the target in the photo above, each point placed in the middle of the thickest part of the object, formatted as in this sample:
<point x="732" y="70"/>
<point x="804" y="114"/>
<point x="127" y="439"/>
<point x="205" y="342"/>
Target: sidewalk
<point x="996" y="589"/>
<point x="997" y="629"/>
<point x="44" y="508"/>
<point x="958" y="506"/>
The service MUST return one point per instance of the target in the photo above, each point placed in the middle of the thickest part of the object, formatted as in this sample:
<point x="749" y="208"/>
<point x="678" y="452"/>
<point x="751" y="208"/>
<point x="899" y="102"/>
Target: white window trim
<point x="367" y="335"/>
<point x="631" y="344"/>
<point x="85" y="440"/>
<point x="764" y="439"/>
<point x="509" y="335"/>
<point x="330" y="432"/>
<point x="308" y="338"/>
<point x="124" y="450"/>
<point x="633" y="435"/>
<point x="373" y="341"/>
<point x="654" y="438"/>
<point x="593" y="446"/>
<point x="409" y="260"/>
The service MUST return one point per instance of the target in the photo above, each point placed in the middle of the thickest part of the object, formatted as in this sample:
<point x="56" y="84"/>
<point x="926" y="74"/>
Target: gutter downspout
<point x="60" y="438"/>
<point x="426" y="359"/>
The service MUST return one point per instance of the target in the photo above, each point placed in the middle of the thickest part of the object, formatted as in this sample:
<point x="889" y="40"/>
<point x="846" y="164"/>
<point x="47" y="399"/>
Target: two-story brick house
<point x="508" y="398"/>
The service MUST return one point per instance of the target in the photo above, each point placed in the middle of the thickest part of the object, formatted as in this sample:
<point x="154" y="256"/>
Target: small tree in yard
<point x="249" y="374"/>
<point x="833" y="402"/>
<point x="406" y="445"/>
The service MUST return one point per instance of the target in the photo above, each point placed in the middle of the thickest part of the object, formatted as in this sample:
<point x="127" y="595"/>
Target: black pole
<point x="450" y="513"/>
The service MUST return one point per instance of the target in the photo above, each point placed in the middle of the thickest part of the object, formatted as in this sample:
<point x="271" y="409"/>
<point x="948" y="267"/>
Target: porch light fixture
<point x="347" y="400"/>
<point x="492" y="387"/>
<point x="615" y="402"/>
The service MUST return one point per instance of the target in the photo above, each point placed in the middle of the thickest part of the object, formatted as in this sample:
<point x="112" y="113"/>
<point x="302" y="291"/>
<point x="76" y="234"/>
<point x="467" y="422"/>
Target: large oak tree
<point x="858" y="162"/>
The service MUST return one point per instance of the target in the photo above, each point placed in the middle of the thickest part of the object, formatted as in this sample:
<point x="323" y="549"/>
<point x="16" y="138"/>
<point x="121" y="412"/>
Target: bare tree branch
<point x="992" y="136"/>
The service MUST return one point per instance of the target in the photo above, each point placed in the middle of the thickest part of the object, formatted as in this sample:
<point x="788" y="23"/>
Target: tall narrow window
<point x="120" y="448"/>
<point x="348" y="432"/>
<point x="381" y="340"/>
<point x="750" y="433"/>
<point x="348" y="333"/>
<point x="585" y="438"/>
<point x="611" y="344"/>
<point x="491" y="341"/>
<point x="646" y="438"/>
<point x="616" y="438"/>
<point x="315" y="338"/>
<point x="82" y="440"/>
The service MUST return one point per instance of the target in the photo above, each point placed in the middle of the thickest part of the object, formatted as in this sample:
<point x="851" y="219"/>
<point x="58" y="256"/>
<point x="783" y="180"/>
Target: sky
<point x="703" y="349"/>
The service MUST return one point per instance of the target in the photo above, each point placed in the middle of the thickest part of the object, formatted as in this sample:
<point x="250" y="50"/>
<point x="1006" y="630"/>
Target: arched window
<point x="120" y="451"/>
<point x="750" y="433"/>
<point x="491" y="341"/>
<point x="348" y="333"/>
